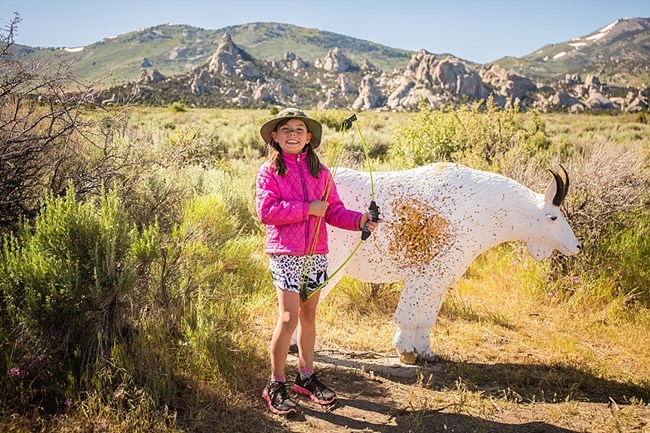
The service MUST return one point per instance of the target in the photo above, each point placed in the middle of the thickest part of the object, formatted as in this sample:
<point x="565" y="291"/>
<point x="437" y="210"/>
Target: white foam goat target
<point x="437" y="219"/>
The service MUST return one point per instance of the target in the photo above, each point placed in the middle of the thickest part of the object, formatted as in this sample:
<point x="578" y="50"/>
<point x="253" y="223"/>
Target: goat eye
<point x="551" y="217"/>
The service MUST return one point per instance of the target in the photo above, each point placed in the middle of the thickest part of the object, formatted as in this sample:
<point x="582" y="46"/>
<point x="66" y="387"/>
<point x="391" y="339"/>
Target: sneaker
<point x="279" y="402"/>
<point x="313" y="388"/>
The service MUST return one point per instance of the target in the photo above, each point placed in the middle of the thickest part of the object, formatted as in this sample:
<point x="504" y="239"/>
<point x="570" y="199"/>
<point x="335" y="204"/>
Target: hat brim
<point x="315" y="128"/>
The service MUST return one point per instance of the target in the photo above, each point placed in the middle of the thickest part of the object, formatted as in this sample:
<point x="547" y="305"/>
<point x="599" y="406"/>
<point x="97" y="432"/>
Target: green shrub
<point x="202" y="283"/>
<point x="244" y="142"/>
<point x="178" y="107"/>
<point x="207" y="224"/>
<point x="234" y="185"/>
<point x="428" y="137"/>
<point x="617" y="265"/>
<point x="62" y="280"/>
<point x="156" y="197"/>
<point x="226" y="280"/>
<point x="482" y="137"/>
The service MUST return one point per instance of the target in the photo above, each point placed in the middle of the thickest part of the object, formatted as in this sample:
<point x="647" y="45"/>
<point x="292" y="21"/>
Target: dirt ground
<point x="378" y="394"/>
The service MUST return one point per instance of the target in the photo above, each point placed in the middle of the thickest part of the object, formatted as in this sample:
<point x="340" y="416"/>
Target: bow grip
<point x="374" y="212"/>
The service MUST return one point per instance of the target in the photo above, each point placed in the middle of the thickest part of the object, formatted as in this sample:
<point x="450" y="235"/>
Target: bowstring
<point x="365" y="151"/>
<point x="304" y="295"/>
<point x="309" y="258"/>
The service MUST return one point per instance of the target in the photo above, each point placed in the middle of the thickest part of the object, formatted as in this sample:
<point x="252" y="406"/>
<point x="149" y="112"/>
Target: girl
<point x="293" y="191"/>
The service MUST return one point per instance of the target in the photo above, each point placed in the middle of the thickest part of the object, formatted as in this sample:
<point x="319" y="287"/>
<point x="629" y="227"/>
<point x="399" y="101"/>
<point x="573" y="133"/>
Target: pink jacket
<point x="283" y="205"/>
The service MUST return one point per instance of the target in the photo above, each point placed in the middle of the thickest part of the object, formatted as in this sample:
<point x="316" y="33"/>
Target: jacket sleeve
<point x="337" y="214"/>
<point x="271" y="208"/>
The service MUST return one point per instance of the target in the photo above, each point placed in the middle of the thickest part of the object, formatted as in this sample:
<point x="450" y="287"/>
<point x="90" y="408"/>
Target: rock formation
<point x="335" y="61"/>
<point x="232" y="77"/>
<point x="229" y="61"/>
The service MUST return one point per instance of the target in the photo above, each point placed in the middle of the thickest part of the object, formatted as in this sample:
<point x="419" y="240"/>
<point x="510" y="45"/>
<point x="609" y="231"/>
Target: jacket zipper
<point x="304" y="193"/>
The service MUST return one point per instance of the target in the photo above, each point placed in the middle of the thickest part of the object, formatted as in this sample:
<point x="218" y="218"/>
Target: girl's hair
<point x="276" y="160"/>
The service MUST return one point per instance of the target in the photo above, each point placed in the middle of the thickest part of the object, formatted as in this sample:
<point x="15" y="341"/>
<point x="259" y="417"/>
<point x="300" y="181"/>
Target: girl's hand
<point x="318" y="208"/>
<point x="366" y="218"/>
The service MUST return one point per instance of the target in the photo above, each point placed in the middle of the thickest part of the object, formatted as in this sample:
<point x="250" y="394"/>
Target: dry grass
<point x="512" y="352"/>
<point x="517" y="354"/>
<point x="500" y="313"/>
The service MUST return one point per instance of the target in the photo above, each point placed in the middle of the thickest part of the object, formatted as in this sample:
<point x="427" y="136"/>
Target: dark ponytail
<point x="275" y="157"/>
<point x="313" y="162"/>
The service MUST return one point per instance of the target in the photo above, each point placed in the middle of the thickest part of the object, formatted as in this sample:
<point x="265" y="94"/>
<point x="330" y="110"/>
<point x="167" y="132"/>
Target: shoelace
<point x="320" y="387"/>
<point x="281" y="388"/>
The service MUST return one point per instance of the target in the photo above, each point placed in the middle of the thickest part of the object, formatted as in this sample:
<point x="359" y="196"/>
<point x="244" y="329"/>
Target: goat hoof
<point x="428" y="358"/>
<point x="407" y="358"/>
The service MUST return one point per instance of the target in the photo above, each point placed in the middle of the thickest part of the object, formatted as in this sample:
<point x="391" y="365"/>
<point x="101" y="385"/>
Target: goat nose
<point x="579" y="246"/>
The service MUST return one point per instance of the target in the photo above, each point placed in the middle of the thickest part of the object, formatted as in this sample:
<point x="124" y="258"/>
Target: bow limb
<point x="373" y="209"/>
<point x="307" y="263"/>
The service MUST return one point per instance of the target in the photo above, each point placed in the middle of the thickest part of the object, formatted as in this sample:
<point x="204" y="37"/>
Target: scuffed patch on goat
<point x="418" y="232"/>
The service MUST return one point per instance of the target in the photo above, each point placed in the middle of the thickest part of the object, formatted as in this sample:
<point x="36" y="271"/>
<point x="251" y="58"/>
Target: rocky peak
<point x="449" y="74"/>
<point x="230" y="61"/>
<point x="421" y="67"/>
<point x="369" y="67"/>
<point x="345" y="85"/>
<point x="335" y="61"/>
<point x="147" y="77"/>
<point x="294" y="61"/>
<point x="225" y="59"/>
<point x="460" y="79"/>
<point x="226" y="44"/>
<point x="370" y="95"/>
<point x="234" y="78"/>
<point x="507" y="83"/>
<point x="201" y="82"/>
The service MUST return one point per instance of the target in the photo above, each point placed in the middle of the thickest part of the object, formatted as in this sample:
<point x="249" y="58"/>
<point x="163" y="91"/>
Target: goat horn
<point x="565" y="178"/>
<point x="560" y="192"/>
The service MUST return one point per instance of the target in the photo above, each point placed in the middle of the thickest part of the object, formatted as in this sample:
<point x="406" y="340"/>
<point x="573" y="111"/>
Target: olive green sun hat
<point x="313" y="125"/>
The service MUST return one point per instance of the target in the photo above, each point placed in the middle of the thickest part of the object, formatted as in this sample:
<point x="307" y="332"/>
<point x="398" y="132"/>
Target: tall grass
<point x="620" y="261"/>
<point x="149" y="307"/>
<point x="126" y="318"/>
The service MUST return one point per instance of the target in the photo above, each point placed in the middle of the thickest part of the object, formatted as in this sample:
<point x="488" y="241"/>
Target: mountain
<point x="177" y="49"/>
<point x="619" y="54"/>
<point x="262" y="64"/>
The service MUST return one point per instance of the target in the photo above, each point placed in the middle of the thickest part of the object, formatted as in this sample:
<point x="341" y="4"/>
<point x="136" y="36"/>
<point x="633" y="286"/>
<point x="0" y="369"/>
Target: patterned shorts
<point x="293" y="273"/>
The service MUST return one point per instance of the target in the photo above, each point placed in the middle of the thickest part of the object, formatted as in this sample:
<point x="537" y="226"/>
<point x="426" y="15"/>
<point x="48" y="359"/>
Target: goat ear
<point x="555" y="191"/>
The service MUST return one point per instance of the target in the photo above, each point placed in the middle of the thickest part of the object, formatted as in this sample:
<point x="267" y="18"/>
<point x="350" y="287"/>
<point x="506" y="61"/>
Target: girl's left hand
<point x="366" y="218"/>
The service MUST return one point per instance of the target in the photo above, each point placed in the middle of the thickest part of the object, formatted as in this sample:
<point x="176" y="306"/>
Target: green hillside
<point x="618" y="53"/>
<point x="176" y="49"/>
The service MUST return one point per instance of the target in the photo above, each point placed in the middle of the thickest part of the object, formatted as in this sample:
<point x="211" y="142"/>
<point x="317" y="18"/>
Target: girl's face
<point x="292" y="136"/>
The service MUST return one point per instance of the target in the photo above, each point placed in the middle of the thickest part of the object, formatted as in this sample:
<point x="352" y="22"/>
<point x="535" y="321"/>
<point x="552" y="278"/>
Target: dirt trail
<point x="378" y="394"/>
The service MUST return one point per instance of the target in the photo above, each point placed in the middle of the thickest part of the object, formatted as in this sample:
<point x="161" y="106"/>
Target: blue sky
<point x="476" y="30"/>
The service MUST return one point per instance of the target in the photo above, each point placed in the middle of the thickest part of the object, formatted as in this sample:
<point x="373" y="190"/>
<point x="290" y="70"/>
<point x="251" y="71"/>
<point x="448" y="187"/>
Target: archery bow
<point x="373" y="209"/>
